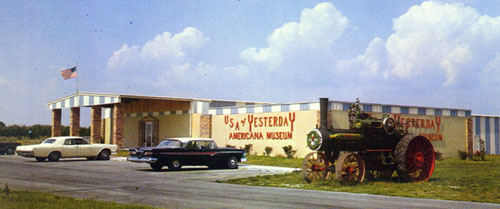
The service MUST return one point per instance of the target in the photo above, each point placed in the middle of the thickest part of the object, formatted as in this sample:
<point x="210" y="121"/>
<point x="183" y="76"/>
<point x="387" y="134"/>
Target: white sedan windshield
<point x="170" y="143"/>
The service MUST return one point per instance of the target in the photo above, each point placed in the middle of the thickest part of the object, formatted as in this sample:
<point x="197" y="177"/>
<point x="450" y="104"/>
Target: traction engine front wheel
<point x="314" y="167"/>
<point x="350" y="169"/>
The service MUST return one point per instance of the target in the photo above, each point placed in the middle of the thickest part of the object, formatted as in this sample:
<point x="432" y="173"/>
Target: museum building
<point x="137" y="121"/>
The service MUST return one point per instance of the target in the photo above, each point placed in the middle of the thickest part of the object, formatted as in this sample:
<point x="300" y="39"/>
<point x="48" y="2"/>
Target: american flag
<point x="69" y="73"/>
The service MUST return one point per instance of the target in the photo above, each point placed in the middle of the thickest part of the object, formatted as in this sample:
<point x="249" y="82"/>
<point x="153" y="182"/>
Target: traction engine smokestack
<point x="323" y="113"/>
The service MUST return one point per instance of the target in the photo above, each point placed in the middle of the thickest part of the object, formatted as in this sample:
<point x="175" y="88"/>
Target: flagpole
<point x="77" y="78"/>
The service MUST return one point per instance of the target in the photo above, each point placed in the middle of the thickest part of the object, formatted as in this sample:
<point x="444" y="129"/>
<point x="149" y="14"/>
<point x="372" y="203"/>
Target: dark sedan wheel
<point x="156" y="166"/>
<point x="232" y="162"/>
<point x="54" y="156"/>
<point x="40" y="159"/>
<point x="10" y="150"/>
<point x="104" y="155"/>
<point x="174" y="165"/>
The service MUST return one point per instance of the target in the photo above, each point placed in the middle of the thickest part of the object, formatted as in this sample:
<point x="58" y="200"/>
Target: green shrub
<point x="248" y="149"/>
<point x="462" y="154"/>
<point x="439" y="155"/>
<point x="268" y="150"/>
<point x="289" y="152"/>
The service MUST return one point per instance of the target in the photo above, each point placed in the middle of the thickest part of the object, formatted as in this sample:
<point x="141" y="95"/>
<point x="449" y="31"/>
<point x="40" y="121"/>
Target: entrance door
<point x="148" y="134"/>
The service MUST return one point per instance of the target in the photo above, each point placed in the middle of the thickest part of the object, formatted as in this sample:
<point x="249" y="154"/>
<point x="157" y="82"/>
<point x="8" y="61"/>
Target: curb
<point x="119" y="159"/>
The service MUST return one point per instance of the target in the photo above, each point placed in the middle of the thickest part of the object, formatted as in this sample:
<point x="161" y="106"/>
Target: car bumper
<point x="243" y="159"/>
<point x="25" y="153"/>
<point x="142" y="160"/>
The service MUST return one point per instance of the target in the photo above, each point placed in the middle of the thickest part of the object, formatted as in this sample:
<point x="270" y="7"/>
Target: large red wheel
<point x="315" y="167"/>
<point x="350" y="169"/>
<point x="415" y="157"/>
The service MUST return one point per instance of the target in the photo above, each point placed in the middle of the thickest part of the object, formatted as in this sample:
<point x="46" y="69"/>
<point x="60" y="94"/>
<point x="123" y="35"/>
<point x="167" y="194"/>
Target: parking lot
<point x="193" y="187"/>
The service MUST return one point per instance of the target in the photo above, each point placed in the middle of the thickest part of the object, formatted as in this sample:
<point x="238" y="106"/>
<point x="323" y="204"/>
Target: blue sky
<point x="425" y="53"/>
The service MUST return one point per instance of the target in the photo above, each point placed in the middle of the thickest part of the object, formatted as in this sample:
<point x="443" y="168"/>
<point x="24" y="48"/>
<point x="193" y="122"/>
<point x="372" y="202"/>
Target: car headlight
<point x="148" y="153"/>
<point x="132" y="152"/>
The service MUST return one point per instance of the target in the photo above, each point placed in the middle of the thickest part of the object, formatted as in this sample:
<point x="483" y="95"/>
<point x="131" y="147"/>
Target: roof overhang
<point x="84" y="99"/>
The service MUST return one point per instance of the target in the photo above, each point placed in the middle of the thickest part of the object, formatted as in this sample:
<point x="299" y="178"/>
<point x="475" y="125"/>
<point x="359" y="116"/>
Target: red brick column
<point x="470" y="138"/>
<point x="95" y="124"/>
<point x="206" y="126"/>
<point x="56" y="122"/>
<point x="74" y="121"/>
<point x="118" y="125"/>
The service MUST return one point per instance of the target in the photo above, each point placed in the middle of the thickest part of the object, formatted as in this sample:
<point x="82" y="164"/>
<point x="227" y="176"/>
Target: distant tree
<point x="2" y="124"/>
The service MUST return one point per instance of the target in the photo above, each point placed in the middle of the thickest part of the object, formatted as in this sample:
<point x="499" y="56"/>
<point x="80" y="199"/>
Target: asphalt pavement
<point x="193" y="187"/>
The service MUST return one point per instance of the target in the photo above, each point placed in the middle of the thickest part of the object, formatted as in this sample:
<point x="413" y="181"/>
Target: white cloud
<point x="373" y="60"/>
<point x="447" y="43"/>
<point x="164" y="48"/>
<point x="4" y="82"/>
<point x="316" y="31"/>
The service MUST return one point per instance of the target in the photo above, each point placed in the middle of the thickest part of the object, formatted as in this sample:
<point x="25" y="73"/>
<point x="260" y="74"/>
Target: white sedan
<point x="64" y="147"/>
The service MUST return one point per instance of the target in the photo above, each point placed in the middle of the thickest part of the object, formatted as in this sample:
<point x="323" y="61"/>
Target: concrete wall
<point x="268" y="129"/>
<point x="195" y="125"/>
<point x="448" y="134"/>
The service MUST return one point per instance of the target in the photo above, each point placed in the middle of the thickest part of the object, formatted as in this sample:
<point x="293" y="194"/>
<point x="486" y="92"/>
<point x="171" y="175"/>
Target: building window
<point x="304" y="106"/>
<point x="267" y="108"/>
<point x="345" y="106"/>
<point x="234" y="110"/>
<point x="367" y="108"/>
<point x="453" y="113"/>
<point x="438" y="112"/>
<point x="218" y="111"/>
<point x="467" y="114"/>
<point x="285" y="108"/>
<point x="221" y="104"/>
<point x="250" y="110"/>
<point x="386" y="109"/>
<point x="405" y="110"/>
<point x="422" y="111"/>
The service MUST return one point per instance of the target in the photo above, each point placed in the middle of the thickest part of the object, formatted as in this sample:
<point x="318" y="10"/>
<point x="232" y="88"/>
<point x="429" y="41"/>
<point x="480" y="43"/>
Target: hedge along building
<point x="134" y="120"/>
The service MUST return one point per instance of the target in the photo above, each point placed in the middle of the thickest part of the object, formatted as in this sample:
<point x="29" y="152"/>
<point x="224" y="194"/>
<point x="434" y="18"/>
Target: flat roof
<point x="116" y="98"/>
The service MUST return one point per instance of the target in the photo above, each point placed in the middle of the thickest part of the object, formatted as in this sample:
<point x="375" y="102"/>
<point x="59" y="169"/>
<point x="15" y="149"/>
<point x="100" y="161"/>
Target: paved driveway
<point x="193" y="187"/>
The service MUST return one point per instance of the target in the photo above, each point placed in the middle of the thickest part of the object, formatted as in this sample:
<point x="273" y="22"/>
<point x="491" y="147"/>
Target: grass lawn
<point x="21" y="140"/>
<point x="121" y="153"/>
<point x="39" y="200"/>
<point x="453" y="179"/>
<point x="274" y="161"/>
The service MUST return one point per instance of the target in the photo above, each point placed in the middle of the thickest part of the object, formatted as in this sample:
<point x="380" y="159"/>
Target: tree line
<point x="36" y="131"/>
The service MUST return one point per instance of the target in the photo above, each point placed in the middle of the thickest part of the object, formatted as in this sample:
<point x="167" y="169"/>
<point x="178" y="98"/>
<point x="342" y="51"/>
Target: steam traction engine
<point x="372" y="147"/>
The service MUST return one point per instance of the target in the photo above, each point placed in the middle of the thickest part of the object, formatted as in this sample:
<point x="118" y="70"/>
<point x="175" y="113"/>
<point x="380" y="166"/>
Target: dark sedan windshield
<point x="170" y="144"/>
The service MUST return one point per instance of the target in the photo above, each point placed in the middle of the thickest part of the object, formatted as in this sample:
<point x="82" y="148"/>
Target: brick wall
<point x="56" y="122"/>
<point x="470" y="138"/>
<point x="118" y="125"/>
<point x="95" y="125"/>
<point x="206" y="126"/>
<point x="74" y="127"/>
